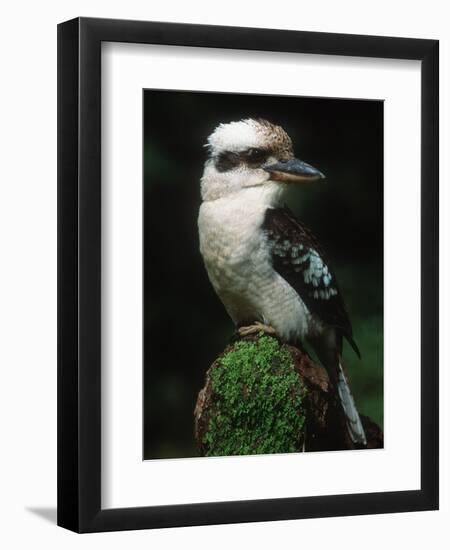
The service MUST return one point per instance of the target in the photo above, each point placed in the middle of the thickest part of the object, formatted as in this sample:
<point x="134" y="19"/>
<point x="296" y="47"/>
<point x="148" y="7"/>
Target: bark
<point x="324" y="427"/>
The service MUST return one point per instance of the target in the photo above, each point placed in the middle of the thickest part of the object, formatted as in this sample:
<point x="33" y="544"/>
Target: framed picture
<point x="248" y="275"/>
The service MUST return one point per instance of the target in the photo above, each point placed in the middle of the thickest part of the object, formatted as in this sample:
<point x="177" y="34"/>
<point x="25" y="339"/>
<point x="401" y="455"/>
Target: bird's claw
<point x="255" y="329"/>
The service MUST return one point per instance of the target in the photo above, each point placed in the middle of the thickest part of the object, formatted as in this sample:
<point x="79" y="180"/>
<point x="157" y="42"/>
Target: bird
<point x="268" y="269"/>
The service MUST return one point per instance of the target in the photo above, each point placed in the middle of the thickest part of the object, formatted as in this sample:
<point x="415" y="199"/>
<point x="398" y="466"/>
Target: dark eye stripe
<point x="228" y="160"/>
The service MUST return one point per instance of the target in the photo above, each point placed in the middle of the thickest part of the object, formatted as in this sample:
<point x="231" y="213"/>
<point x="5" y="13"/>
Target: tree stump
<point x="263" y="397"/>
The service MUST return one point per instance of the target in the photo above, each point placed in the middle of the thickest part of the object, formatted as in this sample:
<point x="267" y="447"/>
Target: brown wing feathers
<point x="298" y="257"/>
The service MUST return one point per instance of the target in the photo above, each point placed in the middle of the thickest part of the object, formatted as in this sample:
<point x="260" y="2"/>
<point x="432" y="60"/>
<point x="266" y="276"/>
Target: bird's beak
<point x="293" y="171"/>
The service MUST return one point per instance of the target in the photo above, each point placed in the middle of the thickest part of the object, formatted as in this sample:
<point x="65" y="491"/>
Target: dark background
<point x="185" y="324"/>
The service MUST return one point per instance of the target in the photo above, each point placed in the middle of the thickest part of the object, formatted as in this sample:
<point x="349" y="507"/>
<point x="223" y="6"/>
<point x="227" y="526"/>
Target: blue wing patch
<point x="307" y="262"/>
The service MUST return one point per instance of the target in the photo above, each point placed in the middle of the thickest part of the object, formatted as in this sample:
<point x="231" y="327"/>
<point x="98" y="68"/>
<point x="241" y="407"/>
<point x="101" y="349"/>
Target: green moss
<point x="257" y="403"/>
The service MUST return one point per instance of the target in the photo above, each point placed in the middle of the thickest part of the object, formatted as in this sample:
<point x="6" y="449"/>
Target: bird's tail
<point x="354" y="424"/>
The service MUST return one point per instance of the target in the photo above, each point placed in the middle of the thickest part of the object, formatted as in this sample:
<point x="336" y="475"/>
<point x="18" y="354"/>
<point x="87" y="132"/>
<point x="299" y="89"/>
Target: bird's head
<point x="250" y="154"/>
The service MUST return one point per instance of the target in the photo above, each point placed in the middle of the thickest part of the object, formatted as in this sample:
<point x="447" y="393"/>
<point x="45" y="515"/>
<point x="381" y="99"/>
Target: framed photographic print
<point x="248" y="275"/>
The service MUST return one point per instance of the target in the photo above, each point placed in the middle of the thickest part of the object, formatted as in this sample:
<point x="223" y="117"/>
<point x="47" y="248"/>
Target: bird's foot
<point x="256" y="328"/>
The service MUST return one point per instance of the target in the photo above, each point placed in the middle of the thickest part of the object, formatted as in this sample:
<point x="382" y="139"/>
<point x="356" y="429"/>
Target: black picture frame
<point x="79" y="274"/>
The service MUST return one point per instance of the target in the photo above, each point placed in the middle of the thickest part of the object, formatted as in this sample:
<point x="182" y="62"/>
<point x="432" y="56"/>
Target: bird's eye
<point x="256" y="155"/>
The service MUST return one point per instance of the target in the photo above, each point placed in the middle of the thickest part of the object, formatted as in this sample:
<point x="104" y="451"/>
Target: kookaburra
<point x="267" y="268"/>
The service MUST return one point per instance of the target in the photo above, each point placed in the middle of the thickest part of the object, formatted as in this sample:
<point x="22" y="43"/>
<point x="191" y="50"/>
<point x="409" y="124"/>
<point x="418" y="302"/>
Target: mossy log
<point x="262" y="397"/>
